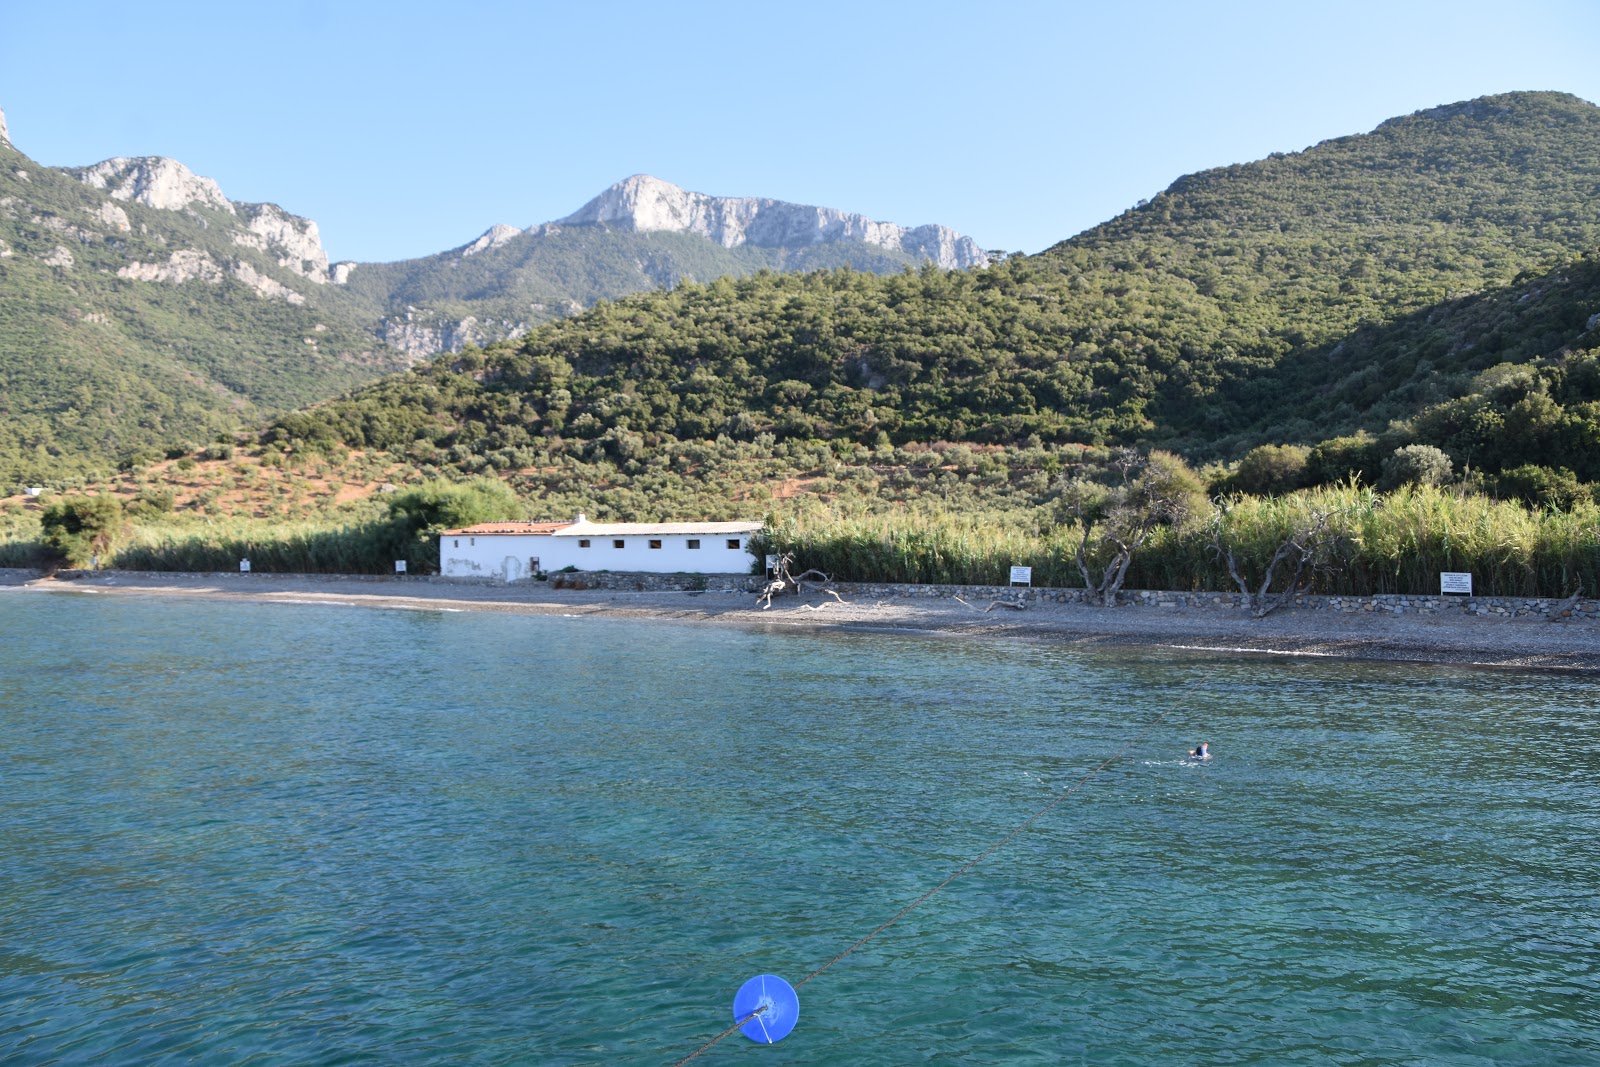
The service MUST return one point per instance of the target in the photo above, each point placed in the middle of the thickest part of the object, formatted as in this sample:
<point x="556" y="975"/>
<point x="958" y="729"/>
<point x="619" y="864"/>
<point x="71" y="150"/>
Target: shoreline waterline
<point x="1530" y="644"/>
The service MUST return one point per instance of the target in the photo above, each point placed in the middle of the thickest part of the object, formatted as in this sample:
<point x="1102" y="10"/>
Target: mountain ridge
<point x="144" y="309"/>
<point x="644" y="203"/>
<point x="1360" y="286"/>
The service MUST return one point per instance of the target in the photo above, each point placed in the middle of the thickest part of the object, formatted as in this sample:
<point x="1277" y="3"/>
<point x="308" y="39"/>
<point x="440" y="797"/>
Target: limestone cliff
<point x="645" y="204"/>
<point x="295" y="241"/>
<point x="153" y="181"/>
<point x="292" y="242"/>
<point x="419" y="334"/>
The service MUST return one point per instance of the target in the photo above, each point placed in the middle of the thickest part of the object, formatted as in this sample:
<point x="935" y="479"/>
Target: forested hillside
<point x="97" y="364"/>
<point x="1354" y="287"/>
<point x="142" y="312"/>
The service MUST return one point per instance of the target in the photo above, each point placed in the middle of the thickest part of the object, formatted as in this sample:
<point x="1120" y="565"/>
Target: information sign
<point x="1455" y="582"/>
<point x="1022" y="575"/>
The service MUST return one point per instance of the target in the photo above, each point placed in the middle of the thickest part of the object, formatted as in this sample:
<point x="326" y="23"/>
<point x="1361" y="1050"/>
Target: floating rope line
<point x="726" y="1033"/>
<point x="963" y="869"/>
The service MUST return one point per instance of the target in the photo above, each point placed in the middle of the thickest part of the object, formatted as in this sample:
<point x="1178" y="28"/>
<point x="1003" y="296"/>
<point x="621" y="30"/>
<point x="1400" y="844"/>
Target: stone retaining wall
<point x="624" y="581"/>
<point x="1381" y="603"/>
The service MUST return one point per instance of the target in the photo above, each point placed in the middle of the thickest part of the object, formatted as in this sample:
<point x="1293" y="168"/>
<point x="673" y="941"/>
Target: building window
<point x="583" y="542"/>
<point x="456" y="542"/>
<point x="472" y="540"/>
<point x="733" y="542"/>
<point x="655" y="542"/>
<point x="618" y="543"/>
<point x="694" y="542"/>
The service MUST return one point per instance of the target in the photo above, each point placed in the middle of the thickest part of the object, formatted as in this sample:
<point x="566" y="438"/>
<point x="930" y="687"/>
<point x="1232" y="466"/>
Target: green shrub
<point x="1541" y="487"/>
<point x="1416" y="465"/>
<point x="82" y="528"/>
<point x="1269" y="470"/>
<point x="150" y="504"/>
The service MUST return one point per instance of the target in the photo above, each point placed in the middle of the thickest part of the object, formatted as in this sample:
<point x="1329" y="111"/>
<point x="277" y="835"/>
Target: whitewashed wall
<point x="508" y="556"/>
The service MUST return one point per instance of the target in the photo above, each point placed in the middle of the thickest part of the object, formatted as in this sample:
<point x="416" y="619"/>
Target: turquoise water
<point x="266" y="834"/>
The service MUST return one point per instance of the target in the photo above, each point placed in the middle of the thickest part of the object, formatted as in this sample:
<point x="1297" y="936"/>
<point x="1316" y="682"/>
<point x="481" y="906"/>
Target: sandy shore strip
<point x="1572" y="644"/>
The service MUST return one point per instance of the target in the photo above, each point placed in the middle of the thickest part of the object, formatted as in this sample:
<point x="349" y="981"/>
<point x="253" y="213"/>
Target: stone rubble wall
<point x="631" y="582"/>
<point x="1381" y="603"/>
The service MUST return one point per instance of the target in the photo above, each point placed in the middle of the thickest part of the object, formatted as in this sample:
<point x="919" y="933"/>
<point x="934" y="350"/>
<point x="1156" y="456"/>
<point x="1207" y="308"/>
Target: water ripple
<point x="247" y="834"/>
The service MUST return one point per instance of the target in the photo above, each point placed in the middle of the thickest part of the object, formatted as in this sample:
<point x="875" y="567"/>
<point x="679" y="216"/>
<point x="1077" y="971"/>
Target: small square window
<point x="733" y="542"/>
<point x="583" y="542"/>
<point x="694" y="542"/>
<point x="619" y="543"/>
<point x="655" y="542"/>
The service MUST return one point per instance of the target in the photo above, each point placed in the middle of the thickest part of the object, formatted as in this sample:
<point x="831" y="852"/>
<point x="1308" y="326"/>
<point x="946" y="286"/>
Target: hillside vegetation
<point x="1417" y="306"/>
<point x="142" y="312"/>
<point x="1372" y="285"/>
<point x="95" y="366"/>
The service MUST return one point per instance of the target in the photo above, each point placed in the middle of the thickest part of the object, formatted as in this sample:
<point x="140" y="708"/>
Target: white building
<point x="514" y="551"/>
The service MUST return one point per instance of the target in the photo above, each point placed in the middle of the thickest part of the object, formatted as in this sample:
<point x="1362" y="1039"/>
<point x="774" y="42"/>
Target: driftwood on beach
<point x="783" y="582"/>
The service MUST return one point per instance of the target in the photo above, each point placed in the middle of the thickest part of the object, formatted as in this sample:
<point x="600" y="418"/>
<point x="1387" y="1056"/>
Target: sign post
<point x="1458" y="582"/>
<point x="399" y="566"/>
<point x="244" y="566"/>
<point x="1022" y="576"/>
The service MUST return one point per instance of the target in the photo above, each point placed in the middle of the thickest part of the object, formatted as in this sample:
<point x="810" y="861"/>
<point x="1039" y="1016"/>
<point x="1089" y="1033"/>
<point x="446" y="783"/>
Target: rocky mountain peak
<point x="153" y="181"/>
<point x="646" y="204"/>
<point x="5" y="138"/>
<point x="493" y="237"/>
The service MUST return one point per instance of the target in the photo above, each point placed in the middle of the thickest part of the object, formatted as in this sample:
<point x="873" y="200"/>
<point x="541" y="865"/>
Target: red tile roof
<point x="486" y="528"/>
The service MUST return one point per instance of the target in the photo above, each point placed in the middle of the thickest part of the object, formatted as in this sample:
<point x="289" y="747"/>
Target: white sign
<point x="1022" y="574"/>
<point x="244" y="566"/>
<point x="399" y="566"/>
<point x="1455" y="582"/>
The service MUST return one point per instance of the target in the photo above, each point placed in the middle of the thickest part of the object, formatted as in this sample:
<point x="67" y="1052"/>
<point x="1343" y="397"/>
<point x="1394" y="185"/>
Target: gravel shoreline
<point x="1526" y="643"/>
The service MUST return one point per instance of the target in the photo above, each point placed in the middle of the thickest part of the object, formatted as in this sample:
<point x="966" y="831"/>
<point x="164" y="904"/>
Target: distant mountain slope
<point x="476" y="295"/>
<point x="644" y="204"/>
<point x="1297" y="250"/>
<point x="140" y="308"/>
<point x="1344" y="287"/>
<point x="640" y="234"/>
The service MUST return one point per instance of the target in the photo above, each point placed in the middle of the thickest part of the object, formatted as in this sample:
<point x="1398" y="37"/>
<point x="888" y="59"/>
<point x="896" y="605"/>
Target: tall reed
<point x="299" y="548"/>
<point x="1394" y="543"/>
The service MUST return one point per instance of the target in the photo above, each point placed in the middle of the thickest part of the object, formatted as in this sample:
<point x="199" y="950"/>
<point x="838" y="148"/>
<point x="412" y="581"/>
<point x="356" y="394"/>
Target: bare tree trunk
<point x="1083" y="563"/>
<point x="1302" y="547"/>
<point x="785" y="582"/>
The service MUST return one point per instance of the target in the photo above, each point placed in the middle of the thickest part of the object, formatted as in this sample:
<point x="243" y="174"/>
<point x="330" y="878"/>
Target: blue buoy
<point x="778" y="1004"/>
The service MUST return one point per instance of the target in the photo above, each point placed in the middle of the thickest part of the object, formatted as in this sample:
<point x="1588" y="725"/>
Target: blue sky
<point x="405" y="129"/>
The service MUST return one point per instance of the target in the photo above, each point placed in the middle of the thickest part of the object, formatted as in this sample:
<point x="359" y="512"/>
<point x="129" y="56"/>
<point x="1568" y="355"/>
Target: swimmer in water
<point x="1203" y="752"/>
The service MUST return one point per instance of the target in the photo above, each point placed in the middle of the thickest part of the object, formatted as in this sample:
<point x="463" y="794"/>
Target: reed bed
<point x="287" y="548"/>
<point x="1382" y="543"/>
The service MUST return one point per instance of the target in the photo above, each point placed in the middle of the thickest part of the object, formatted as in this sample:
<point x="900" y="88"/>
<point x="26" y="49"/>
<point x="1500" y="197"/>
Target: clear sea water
<point x="241" y="833"/>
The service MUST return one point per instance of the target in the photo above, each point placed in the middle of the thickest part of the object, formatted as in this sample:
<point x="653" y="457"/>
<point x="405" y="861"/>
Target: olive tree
<point x="1115" y="521"/>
